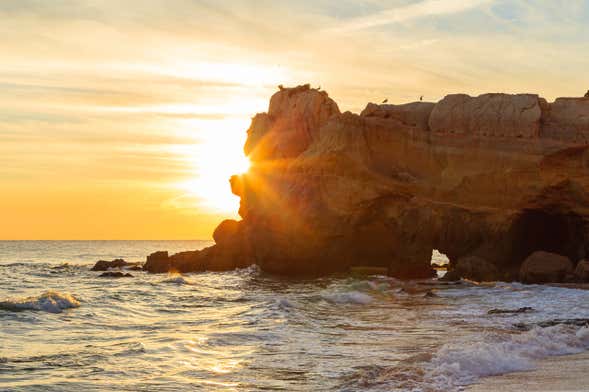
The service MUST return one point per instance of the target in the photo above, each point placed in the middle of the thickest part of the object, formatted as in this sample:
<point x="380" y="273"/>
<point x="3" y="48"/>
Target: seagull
<point x="385" y="101"/>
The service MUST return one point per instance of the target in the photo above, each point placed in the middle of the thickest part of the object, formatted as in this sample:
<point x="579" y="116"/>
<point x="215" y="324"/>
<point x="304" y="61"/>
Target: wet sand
<point x="562" y="373"/>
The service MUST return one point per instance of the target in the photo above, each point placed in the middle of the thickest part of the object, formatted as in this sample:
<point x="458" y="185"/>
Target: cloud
<point x="407" y="13"/>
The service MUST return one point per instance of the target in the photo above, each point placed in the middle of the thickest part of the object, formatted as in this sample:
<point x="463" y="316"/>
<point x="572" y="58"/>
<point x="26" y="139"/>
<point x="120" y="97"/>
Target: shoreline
<point x="557" y="373"/>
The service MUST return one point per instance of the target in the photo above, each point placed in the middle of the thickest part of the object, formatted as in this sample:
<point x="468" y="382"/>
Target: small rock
<point x="115" y="274"/>
<point x="525" y="309"/>
<point x="103" y="265"/>
<point x="430" y="294"/>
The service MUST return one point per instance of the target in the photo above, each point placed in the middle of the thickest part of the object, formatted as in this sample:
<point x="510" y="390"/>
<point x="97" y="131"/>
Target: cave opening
<point x="547" y="230"/>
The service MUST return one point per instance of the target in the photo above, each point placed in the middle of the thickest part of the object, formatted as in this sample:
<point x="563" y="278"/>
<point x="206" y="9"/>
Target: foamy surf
<point x="350" y="297"/>
<point x="50" y="301"/>
<point x="457" y="365"/>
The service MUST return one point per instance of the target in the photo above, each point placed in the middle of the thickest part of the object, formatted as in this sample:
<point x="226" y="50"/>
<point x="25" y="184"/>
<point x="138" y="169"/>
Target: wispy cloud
<point x="407" y="13"/>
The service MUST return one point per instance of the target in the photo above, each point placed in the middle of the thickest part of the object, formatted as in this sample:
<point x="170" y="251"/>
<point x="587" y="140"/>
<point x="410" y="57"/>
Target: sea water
<point x="63" y="328"/>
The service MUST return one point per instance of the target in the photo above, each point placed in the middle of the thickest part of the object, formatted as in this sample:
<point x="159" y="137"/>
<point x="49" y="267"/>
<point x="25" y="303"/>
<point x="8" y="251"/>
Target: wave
<point x="349" y="297"/>
<point x="456" y="365"/>
<point x="51" y="301"/>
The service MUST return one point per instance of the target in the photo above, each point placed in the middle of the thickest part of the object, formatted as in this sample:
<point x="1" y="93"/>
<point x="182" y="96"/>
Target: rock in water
<point x="545" y="267"/>
<point x="498" y="176"/>
<point x="103" y="265"/>
<point x="158" y="262"/>
<point x="525" y="309"/>
<point x="115" y="274"/>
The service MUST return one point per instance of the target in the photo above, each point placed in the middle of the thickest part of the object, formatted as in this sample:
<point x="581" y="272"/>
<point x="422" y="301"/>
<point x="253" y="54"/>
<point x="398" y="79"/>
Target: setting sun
<point x="217" y="156"/>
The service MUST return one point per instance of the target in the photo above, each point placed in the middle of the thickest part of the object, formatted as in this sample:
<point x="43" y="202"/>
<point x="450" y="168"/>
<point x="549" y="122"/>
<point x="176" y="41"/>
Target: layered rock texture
<point x="487" y="180"/>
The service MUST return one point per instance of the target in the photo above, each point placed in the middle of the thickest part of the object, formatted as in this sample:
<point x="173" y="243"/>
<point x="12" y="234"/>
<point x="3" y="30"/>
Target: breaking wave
<point x="50" y="301"/>
<point x="455" y="365"/>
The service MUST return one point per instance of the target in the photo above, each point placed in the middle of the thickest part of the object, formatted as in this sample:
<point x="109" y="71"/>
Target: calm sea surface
<point x="62" y="328"/>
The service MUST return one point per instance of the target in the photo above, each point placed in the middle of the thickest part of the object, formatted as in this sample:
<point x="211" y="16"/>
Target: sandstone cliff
<point x="495" y="177"/>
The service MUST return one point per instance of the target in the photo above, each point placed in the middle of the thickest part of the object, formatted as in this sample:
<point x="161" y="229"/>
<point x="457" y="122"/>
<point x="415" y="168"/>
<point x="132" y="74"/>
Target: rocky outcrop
<point x="488" y="180"/>
<point x="545" y="267"/>
<point x="103" y="265"/>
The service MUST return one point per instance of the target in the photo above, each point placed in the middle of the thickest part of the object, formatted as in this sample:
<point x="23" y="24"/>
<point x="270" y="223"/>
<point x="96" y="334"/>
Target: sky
<point x="124" y="120"/>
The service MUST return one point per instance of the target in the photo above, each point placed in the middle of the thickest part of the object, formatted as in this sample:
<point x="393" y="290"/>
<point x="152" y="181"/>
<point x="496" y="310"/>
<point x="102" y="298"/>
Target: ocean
<point x="63" y="328"/>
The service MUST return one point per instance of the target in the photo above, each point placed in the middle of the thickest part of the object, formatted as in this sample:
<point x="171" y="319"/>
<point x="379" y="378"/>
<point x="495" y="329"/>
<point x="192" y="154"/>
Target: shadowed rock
<point x="545" y="267"/>
<point x="103" y="265"/>
<point x="486" y="180"/>
<point x="473" y="267"/>
<point x="115" y="274"/>
<point x="582" y="271"/>
<point x="525" y="309"/>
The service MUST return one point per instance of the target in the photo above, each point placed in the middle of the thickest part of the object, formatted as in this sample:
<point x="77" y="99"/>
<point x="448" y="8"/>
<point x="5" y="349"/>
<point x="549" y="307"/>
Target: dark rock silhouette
<point x="545" y="267"/>
<point x="492" y="178"/>
<point x="525" y="309"/>
<point x="103" y="265"/>
<point x="115" y="274"/>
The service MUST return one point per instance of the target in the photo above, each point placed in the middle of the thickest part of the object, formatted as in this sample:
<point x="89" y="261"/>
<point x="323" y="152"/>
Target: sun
<point x="212" y="161"/>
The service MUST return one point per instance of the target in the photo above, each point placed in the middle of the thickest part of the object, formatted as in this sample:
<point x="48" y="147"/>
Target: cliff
<point x="494" y="177"/>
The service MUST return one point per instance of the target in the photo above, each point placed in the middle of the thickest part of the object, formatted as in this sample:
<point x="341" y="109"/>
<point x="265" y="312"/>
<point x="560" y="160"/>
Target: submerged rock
<point x="498" y="176"/>
<point x="576" y="322"/>
<point x="525" y="309"/>
<point x="115" y="274"/>
<point x="545" y="267"/>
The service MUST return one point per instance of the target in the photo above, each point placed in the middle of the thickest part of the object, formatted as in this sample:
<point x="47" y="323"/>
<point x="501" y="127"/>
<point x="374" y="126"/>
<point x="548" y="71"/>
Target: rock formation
<point x="493" y="178"/>
<point x="545" y="267"/>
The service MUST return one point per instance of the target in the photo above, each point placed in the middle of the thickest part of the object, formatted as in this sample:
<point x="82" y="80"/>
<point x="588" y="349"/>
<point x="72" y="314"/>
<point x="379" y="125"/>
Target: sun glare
<point x="217" y="157"/>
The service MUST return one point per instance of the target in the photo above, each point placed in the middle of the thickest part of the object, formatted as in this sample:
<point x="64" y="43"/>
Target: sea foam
<point x="459" y="364"/>
<point x="50" y="301"/>
<point x="349" y="297"/>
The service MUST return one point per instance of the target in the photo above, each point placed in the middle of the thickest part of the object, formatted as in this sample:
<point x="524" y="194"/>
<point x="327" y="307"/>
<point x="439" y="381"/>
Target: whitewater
<point x="64" y="328"/>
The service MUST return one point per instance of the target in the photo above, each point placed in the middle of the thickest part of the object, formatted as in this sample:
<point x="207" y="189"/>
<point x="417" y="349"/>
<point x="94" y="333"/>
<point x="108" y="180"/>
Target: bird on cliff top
<point x="587" y="94"/>
<point x="385" y="101"/>
<point x="421" y="98"/>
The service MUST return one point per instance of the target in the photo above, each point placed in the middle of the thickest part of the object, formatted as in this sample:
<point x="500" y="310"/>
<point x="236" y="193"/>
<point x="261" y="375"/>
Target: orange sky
<point x="124" y="120"/>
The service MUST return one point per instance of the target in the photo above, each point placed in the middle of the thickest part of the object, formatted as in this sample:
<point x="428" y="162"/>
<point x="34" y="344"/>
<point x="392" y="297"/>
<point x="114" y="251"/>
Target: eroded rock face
<point x="492" y="178"/>
<point x="498" y="115"/>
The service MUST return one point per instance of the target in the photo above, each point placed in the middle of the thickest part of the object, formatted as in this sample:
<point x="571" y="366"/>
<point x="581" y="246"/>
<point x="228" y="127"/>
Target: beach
<point x="561" y="373"/>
